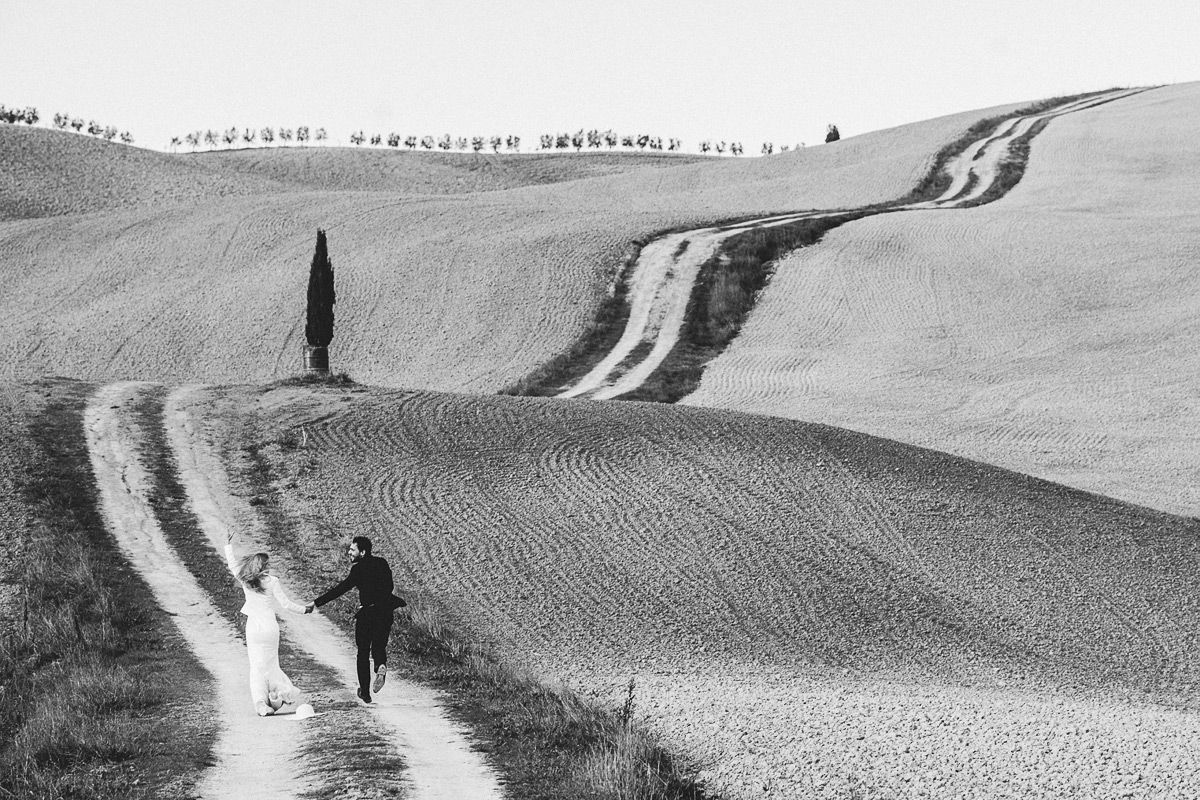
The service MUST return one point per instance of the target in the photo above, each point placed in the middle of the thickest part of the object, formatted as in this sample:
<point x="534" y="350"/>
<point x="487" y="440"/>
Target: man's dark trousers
<point x="371" y="630"/>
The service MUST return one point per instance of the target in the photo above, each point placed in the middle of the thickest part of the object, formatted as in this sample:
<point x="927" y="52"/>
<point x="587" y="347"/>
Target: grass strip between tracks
<point x="545" y="743"/>
<point x="99" y="697"/>
<point x="726" y="288"/>
<point x="937" y="180"/>
<point x="375" y="765"/>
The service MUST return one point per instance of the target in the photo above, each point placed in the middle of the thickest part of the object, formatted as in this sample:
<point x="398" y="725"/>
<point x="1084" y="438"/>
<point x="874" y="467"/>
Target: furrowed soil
<point x="126" y="264"/>
<point x="805" y="611"/>
<point x="1052" y="332"/>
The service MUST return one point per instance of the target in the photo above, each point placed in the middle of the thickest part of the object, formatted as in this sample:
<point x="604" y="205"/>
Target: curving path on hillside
<point x="667" y="268"/>
<point x="440" y="763"/>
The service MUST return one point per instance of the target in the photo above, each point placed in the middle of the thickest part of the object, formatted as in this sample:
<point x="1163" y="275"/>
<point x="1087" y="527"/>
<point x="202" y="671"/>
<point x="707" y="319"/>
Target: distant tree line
<point x="593" y="139"/>
<point x="301" y="134"/>
<point x="29" y="115"/>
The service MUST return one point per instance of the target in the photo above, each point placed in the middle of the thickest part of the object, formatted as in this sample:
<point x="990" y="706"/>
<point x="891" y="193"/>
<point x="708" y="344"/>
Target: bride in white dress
<point x="270" y="688"/>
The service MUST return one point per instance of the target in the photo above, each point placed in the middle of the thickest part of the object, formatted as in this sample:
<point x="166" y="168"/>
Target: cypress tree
<point x="319" y="327"/>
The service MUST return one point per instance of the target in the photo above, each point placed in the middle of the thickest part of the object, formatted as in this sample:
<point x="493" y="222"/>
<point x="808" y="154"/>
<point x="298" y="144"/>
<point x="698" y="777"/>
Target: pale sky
<point x="744" y="70"/>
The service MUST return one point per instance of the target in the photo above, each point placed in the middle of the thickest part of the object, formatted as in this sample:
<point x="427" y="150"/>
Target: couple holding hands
<point x="270" y="687"/>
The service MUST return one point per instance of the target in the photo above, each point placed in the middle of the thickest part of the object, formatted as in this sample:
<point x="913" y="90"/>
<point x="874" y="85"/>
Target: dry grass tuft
<point x="318" y="379"/>
<point x="609" y="757"/>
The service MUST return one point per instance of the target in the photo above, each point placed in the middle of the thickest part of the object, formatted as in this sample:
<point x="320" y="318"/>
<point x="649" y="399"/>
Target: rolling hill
<point x="105" y="245"/>
<point x="1052" y="332"/>
<point x="795" y="602"/>
<point x="851" y="564"/>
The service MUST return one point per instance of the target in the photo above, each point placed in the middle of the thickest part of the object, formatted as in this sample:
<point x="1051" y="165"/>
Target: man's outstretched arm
<point x="337" y="591"/>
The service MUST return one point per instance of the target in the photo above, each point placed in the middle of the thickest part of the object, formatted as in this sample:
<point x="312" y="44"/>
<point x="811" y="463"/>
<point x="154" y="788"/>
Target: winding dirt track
<point x="243" y="745"/>
<point x="805" y="610"/>
<point x="441" y="765"/>
<point x="667" y="268"/>
<point x="1052" y="332"/>
<point x="662" y="282"/>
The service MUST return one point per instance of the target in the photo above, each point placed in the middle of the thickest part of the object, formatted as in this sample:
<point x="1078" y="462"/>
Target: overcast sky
<point x="748" y="70"/>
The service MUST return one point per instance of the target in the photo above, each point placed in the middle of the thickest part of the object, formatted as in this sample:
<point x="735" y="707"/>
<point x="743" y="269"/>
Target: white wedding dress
<point x="268" y="683"/>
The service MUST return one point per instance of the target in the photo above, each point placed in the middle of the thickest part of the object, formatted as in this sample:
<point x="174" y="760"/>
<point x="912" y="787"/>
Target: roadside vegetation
<point x="591" y="347"/>
<point x="285" y="135"/>
<point x="545" y="742"/>
<point x="937" y="180"/>
<point x="98" y="695"/>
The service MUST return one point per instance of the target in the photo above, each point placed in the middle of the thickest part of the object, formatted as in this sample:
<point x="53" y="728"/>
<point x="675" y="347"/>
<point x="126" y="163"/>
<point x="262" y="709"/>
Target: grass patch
<point x="937" y="180"/>
<point x="93" y="679"/>
<point x="546" y="743"/>
<point x="317" y="379"/>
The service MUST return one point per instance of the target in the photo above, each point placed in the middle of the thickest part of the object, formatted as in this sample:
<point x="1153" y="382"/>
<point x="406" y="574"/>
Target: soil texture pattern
<point x="806" y="612"/>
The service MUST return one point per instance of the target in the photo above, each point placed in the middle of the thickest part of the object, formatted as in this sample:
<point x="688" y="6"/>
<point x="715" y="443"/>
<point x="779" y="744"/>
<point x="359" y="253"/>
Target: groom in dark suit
<point x="372" y="576"/>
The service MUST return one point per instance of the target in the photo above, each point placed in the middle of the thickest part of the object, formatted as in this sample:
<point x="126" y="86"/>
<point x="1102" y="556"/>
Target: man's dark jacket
<point x="372" y="576"/>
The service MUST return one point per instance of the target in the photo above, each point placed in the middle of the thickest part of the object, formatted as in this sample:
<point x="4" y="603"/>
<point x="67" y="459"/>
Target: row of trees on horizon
<point x="593" y="139"/>
<point x="249" y="136"/>
<point x="29" y="115"/>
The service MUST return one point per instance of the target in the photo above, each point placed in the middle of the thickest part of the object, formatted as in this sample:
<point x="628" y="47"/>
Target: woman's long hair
<point x="251" y="571"/>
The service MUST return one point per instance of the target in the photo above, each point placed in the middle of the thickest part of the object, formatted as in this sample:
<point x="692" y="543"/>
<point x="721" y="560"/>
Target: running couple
<point x="270" y="687"/>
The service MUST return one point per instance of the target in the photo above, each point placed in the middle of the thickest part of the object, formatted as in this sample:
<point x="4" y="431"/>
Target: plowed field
<point x="802" y="607"/>
<point x="121" y="263"/>
<point x="1052" y="332"/>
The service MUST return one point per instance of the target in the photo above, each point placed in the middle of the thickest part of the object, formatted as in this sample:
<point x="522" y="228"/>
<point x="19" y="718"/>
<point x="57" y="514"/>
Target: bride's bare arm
<point x="230" y="561"/>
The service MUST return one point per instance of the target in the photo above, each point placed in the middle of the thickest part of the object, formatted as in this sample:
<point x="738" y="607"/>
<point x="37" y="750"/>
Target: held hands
<point x="308" y="607"/>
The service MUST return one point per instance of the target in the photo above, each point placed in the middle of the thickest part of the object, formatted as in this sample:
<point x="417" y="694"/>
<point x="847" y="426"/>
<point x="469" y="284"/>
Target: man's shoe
<point x="263" y="709"/>
<point x="366" y="698"/>
<point x="380" y="677"/>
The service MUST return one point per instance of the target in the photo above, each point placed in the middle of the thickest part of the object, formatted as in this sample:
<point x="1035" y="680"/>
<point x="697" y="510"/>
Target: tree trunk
<point x="316" y="360"/>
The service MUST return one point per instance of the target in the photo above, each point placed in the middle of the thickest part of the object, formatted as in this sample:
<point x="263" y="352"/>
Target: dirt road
<point x="244" y="744"/>
<point x="441" y="764"/>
